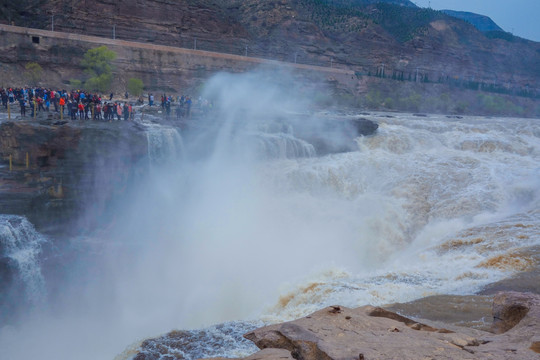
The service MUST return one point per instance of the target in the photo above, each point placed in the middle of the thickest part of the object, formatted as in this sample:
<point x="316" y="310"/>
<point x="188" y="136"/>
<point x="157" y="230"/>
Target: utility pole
<point x="195" y="44"/>
<point x="52" y="22"/>
<point x="246" y="50"/>
<point x="295" y="56"/>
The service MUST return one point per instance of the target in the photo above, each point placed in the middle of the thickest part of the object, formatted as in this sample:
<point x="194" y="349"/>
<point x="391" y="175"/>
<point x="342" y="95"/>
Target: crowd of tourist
<point x="183" y="105"/>
<point x="76" y="104"/>
<point x="84" y="105"/>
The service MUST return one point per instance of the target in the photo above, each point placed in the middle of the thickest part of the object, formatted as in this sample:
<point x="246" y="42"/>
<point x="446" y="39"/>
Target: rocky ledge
<point x="52" y="171"/>
<point x="339" y="333"/>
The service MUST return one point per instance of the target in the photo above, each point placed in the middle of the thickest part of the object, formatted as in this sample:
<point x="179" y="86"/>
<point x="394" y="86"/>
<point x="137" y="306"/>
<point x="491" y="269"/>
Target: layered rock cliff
<point x="54" y="172"/>
<point x="357" y="35"/>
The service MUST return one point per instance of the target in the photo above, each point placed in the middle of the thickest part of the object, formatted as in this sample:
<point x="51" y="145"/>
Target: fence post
<point x="10" y="162"/>
<point x="27" y="160"/>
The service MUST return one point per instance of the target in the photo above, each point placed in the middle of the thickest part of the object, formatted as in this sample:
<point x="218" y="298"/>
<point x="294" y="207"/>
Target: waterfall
<point x="271" y="140"/>
<point x="282" y="146"/>
<point x="164" y="143"/>
<point x="20" y="244"/>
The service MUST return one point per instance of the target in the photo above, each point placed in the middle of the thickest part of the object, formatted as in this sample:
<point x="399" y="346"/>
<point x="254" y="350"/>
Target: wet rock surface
<point x="366" y="333"/>
<point x="212" y="341"/>
<point x="369" y="332"/>
<point x="335" y="136"/>
<point x="471" y="311"/>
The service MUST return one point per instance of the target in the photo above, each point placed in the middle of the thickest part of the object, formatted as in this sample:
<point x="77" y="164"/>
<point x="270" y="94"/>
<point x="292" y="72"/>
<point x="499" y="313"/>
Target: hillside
<point x="391" y="40"/>
<point x="481" y="22"/>
<point x="354" y="33"/>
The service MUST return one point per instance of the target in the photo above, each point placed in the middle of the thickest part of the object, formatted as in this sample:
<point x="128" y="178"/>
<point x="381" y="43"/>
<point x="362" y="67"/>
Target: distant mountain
<point x="395" y="2"/>
<point x="481" y="22"/>
<point x="349" y="3"/>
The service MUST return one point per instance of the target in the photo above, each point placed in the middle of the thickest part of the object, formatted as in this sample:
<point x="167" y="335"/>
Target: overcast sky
<point x="520" y="17"/>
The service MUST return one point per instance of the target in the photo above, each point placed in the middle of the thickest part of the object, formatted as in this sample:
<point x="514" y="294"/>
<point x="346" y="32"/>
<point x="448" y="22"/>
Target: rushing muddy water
<point x="427" y="206"/>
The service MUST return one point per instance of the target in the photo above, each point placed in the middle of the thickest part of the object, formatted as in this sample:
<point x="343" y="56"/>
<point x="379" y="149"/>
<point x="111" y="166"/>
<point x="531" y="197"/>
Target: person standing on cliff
<point x="4" y="99"/>
<point x="22" y="102"/>
<point x="40" y="104"/>
<point x="188" y="107"/>
<point x="62" y="103"/>
<point x="126" y="111"/>
<point x="80" y="106"/>
<point x="168" y="109"/>
<point x="97" y="111"/>
<point x="55" y="98"/>
<point x="118" y="111"/>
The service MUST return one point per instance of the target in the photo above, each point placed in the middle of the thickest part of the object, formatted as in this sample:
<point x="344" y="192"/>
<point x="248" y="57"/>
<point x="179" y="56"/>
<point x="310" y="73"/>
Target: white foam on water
<point x="165" y="144"/>
<point x="413" y="189"/>
<point x="21" y="243"/>
<point x="426" y="206"/>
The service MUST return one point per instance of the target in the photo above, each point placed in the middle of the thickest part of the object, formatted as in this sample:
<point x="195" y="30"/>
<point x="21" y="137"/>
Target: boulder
<point x="375" y="333"/>
<point x="510" y="308"/>
<point x="517" y="324"/>
<point x="265" y="354"/>
<point x="335" y="135"/>
<point x="364" y="333"/>
<point x="367" y="333"/>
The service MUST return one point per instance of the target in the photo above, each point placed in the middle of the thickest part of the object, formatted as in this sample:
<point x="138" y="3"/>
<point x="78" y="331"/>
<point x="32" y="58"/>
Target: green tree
<point x="33" y="72"/>
<point x="135" y="86"/>
<point x="75" y="83"/>
<point x="98" y="67"/>
<point x="99" y="83"/>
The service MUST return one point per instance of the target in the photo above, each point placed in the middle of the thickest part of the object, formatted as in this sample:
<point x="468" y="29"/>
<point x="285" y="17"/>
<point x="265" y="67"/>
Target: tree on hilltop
<point x="33" y="72"/>
<point x="135" y="86"/>
<point x="97" y="64"/>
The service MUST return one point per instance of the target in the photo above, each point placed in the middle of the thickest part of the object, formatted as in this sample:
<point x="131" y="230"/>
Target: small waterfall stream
<point x="279" y="146"/>
<point x="164" y="143"/>
<point x="20" y="247"/>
